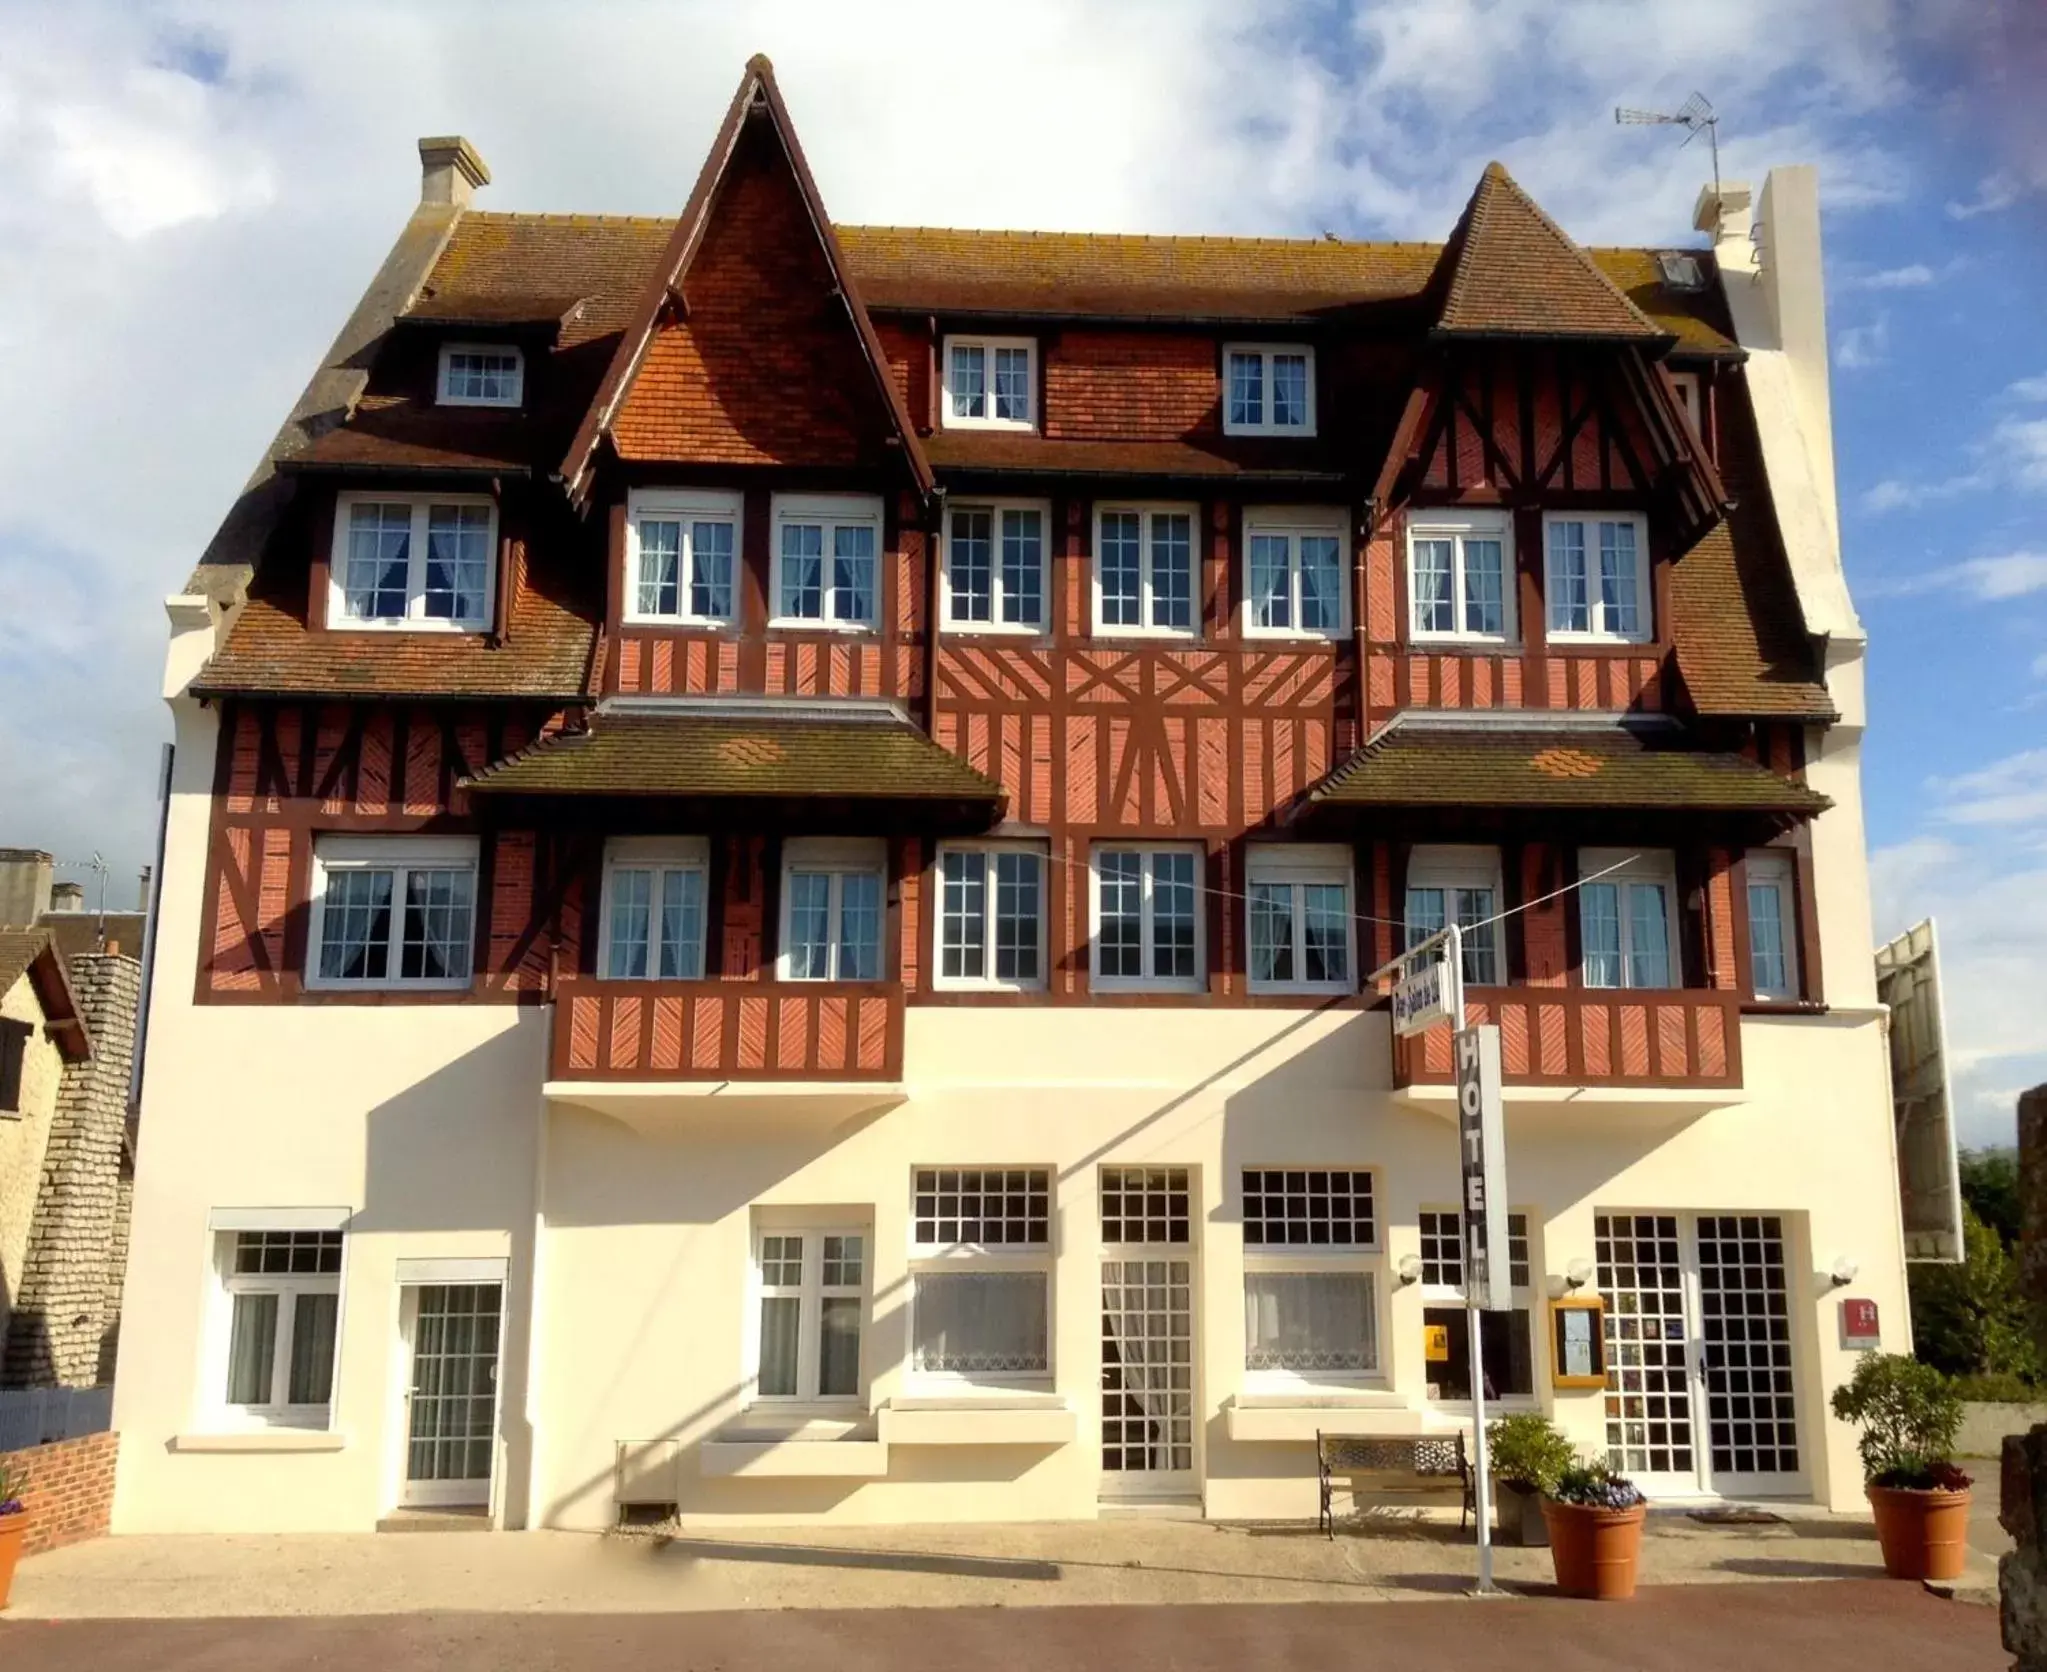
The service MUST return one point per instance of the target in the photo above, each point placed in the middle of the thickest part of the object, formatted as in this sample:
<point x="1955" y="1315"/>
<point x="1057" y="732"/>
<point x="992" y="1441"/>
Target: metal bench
<point x="1390" y="1463"/>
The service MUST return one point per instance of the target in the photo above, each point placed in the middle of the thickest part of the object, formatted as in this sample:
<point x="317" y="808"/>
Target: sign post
<point x="1488" y="1282"/>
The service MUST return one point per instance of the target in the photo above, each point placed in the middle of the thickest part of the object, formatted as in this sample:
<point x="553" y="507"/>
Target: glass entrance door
<point x="1700" y="1391"/>
<point x="451" y="1398"/>
<point x="1147" y="1333"/>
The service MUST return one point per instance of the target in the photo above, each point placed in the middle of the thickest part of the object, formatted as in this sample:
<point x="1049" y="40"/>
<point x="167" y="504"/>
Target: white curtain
<point x="1307" y="1321"/>
<point x="981" y="1323"/>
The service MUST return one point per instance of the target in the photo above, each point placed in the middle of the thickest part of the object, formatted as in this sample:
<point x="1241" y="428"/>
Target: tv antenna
<point x="1695" y="116"/>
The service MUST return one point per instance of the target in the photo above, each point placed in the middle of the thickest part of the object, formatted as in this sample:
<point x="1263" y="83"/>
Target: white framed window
<point x="991" y="383"/>
<point x="652" y="928"/>
<point x="991" y="916"/>
<point x="1598" y="579"/>
<point x="682" y="555"/>
<point x="1458" y="885"/>
<point x="1506" y="1339"/>
<point x="1295" y="578"/>
<point x="281" y="1298"/>
<point x="1311" y="1275"/>
<point x="1148" y="932"/>
<point x="832" y="894"/>
<point x="1297" y="905"/>
<point x="417" y="562"/>
<point x="995" y="565"/>
<point x="1772" y="924"/>
<point x="812" y="1289"/>
<point x="1627" y="920"/>
<point x="827" y="560"/>
<point x="392" y="911"/>
<point x="482" y="374"/>
<point x="981" y="1275"/>
<point x="1145" y="570"/>
<point x="1268" y="389"/>
<point x="1460" y="576"/>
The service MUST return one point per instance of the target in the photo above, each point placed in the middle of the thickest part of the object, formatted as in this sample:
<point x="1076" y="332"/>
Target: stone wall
<point x="66" y="1311"/>
<point x="68" y="1488"/>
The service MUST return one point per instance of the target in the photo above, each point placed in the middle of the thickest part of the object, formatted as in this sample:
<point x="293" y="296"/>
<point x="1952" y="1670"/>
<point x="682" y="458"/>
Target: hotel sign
<point x="1482" y="1146"/>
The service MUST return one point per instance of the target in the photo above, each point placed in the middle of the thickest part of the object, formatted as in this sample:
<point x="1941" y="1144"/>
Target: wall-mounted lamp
<point x="1578" y="1273"/>
<point x="1842" y="1271"/>
<point x="1410" y="1269"/>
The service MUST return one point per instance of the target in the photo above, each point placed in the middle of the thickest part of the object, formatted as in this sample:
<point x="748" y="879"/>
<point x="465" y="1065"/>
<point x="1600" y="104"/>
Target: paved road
<point x="1842" y="1626"/>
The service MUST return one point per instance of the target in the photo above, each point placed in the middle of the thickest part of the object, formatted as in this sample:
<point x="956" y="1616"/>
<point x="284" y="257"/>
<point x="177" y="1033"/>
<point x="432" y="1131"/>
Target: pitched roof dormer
<point x="756" y="167"/>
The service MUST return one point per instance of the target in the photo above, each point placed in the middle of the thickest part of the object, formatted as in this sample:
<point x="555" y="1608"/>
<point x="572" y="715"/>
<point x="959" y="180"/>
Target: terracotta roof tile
<point x="1245" y="457"/>
<point x="630" y="752"/>
<point x="1610" y="768"/>
<point x="34" y="953"/>
<point x="1510" y="269"/>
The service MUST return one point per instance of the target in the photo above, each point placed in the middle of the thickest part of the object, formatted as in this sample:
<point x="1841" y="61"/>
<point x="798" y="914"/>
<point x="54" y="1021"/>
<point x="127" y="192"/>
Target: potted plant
<point x="1909" y="1414"/>
<point x="1595" y="1532"/>
<point x="1528" y="1455"/>
<point x="13" y="1529"/>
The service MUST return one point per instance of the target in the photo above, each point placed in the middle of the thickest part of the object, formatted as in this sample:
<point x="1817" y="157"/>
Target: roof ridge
<point x="1278" y="240"/>
<point x="570" y="217"/>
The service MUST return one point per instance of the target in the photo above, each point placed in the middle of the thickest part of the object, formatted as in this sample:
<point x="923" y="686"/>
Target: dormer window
<point x="482" y="374"/>
<point x="1268" y="389"/>
<point x="991" y="383"/>
<point x="413" y="561"/>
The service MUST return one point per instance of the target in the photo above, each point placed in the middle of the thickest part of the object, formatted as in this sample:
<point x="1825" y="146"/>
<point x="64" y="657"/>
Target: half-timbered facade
<point x="781" y="833"/>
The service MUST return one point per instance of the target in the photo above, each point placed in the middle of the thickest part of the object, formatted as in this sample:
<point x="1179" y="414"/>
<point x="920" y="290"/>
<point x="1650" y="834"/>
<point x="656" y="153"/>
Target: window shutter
<point x="14" y="1036"/>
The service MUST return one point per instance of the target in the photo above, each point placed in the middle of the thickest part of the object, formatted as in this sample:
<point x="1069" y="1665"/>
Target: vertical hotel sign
<point x="1482" y="1146"/>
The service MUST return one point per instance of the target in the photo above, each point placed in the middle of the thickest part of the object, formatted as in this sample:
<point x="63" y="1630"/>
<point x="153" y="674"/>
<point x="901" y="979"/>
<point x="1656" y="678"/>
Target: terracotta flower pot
<point x="13" y="1529"/>
<point x="1924" y="1534"/>
<point x="1596" y="1551"/>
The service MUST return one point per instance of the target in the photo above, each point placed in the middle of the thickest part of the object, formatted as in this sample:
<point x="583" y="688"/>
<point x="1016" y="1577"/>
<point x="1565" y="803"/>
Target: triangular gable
<point x="1509" y="270"/>
<point x="758" y="100"/>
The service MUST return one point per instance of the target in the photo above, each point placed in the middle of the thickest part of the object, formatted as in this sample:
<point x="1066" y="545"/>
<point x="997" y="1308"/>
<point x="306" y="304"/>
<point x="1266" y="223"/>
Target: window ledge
<point x="1783" y="1007"/>
<point x="980" y="1419"/>
<point x="804" y="624"/>
<point x="1423" y="642"/>
<point x="262" y="1440"/>
<point x="993" y="630"/>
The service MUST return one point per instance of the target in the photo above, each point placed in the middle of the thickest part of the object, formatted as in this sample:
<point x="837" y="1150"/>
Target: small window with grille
<point x="1311" y="1275"/>
<point x="981" y="1275"/>
<point x="1146" y="1205"/>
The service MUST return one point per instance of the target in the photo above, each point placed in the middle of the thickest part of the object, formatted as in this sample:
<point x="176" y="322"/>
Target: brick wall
<point x="68" y="1487"/>
<point x="1131" y="386"/>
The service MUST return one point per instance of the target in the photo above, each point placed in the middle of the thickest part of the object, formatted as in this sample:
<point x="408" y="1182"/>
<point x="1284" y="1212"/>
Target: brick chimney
<point x="67" y="896"/>
<point x="450" y="170"/>
<point x="24" y="886"/>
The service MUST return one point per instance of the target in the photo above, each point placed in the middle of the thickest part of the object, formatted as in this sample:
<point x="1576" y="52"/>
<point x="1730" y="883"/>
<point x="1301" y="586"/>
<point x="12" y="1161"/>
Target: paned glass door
<point x="1700" y="1388"/>
<point x="451" y="1401"/>
<point x="1147" y="1332"/>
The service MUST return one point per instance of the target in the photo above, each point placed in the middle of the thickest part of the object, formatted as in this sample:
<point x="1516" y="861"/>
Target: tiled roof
<point x="1698" y="319"/>
<point x="1741" y="641"/>
<point x="1252" y="457"/>
<point x="628" y="752"/>
<point x="1612" y="768"/>
<point x="1511" y="270"/>
<point x="497" y="260"/>
<point x="270" y="650"/>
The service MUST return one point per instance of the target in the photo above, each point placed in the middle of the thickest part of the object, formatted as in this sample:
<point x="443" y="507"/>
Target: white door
<point x="1700" y="1395"/>
<point x="451" y="1395"/>
<point x="1147" y="1333"/>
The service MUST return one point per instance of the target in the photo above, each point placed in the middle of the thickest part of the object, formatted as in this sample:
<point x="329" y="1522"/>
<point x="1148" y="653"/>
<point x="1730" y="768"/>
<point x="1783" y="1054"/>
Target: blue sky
<point x="192" y="195"/>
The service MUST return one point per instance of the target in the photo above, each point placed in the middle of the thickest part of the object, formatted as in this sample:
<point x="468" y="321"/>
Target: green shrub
<point x="1595" y="1486"/>
<point x="1997" y="1387"/>
<point x="1909" y="1414"/>
<point x="1970" y="1319"/>
<point x="1528" y="1451"/>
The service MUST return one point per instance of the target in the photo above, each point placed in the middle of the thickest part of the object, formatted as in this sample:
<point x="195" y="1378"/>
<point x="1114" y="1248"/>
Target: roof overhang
<point x="708" y="1108"/>
<point x="33" y="954"/>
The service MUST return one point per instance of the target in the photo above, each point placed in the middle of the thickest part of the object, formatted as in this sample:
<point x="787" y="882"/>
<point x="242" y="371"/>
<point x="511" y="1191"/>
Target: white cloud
<point x="2028" y="389"/>
<point x="1916" y="275"/>
<point x="1994" y="194"/>
<point x="2012" y="455"/>
<point x="2008" y="792"/>
<point x="1985" y="580"/>
<point x="2040" y="665"/>
<point x="1862" y="346"/>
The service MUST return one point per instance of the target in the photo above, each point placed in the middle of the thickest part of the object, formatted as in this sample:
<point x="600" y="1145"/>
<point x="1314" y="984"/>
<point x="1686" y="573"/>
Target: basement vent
<point x="646" y="1515"/>
<point x="1681" y="271"/>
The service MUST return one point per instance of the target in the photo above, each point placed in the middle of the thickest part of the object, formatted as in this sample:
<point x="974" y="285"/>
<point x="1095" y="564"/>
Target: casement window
<point x="413" y="561"/>
<point x="991" y="383"/>
<point x="1692" y="402"/>
<point x="1268" y="389"/>
<point x="1294" y="574"/>
<point x="981" y="1275"/>
<point x="15" y="1035"/>
<point x="995" y="560"/>
<point x="1506" y="1339"/>
<point x="1627" y="918"/>
<point x="1458" y="885"/>
<point x="653" y="909"/>
<point x="682" y="556"/>
<point x="1297" y="902"/>
<point x="1147" y="919"/>
<point x="827" y="565"/>
<point x="832" y="894"/>
<point x="1772" y="925"/>
<point x="1460" y="576"/>
<point x="1145" y="569"/>
<point x="482" y="374"/>
<point x="1598" y="583"/>
<point x="991" y="916"/>
<point x="282" y="1295"/>
<point x="812" y="1284"/>
<point x="393" y="911"/>
<point x="1311" y="1275"/>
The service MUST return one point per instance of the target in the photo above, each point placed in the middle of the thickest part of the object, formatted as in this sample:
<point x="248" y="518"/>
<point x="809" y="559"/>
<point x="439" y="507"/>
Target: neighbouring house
<point x="781" y="833"/>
